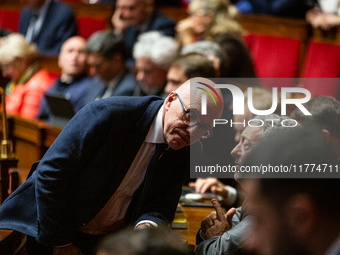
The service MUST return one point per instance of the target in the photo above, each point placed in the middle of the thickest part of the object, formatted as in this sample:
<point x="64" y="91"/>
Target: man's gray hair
<point x="161" y="49"/>
<point x="203" y="47"/>
<point x="107" y="44"/>
<point x="272" y="125"/>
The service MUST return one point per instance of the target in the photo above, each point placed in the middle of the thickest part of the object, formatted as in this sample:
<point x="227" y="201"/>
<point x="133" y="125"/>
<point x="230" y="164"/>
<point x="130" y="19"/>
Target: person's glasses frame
<point x="191" y="120"/>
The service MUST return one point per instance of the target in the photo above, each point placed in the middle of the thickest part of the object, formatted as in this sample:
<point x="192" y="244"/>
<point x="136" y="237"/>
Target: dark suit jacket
<point x="125" y="87"/>
<point x="158" y="22"/>
<point x="85" y="165"/>
<point x="58" y="26"/>
<point x="77" y="91"/>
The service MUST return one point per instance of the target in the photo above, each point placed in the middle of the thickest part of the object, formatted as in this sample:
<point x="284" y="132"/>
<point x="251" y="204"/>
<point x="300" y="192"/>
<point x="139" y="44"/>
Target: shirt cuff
<point x="201" y="234"/>
<point x="147" y="221"/>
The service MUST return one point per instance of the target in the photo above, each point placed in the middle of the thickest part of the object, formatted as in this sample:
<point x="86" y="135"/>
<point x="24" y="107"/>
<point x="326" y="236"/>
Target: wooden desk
<point x="194" y="217"/>
<point x="31" y="139"/>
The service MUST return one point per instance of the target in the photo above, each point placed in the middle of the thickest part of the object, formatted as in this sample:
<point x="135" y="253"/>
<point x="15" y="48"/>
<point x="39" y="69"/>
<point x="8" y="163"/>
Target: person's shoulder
<point x="41" y="79"/>
<point x="160" y="20"/>
<point x="138" y="102"/>
<point x="61" y="8"/>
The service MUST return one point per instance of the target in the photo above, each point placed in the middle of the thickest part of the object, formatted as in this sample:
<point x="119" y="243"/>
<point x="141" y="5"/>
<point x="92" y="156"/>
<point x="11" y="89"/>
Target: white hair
<point x="161" y="49"/>
<point x="203" y="47"/>
<point x="14" y="46"/>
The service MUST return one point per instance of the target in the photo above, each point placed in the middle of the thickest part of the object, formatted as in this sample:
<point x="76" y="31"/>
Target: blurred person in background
<point x="47" y="23"/>
<point x="19" y="62"/>
<point x="186" y="67"/>
<point x="74" y="81"/>
<point x="134" y="17"/>
<point x="107" y="53"/>
<point x="294" y="215"/>
<point x="207" y="19"/>
<point x="324" y="14"/>
<point x="154" y="53"/>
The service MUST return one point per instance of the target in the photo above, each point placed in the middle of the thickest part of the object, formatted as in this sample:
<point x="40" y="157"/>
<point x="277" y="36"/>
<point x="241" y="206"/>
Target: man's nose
<point x="236" y="152"/>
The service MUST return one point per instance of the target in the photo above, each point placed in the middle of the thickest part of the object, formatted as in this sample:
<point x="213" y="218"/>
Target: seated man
<point x="262" y="100"/>
<point x="186" y="67"/>
<point x="325" y="117"/>
<point x="107" y="54"/>
<point x="295" y="215"/>
<point x="134" y="17"/>
<point x="74" y="81"/>
<point x="224" y="235"/>
<point x="154" y="53"/>
<point x="111" y="166"/>
<point x="48" y="24"/>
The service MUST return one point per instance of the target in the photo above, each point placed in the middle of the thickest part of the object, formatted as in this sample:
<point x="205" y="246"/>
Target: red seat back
<point x="322" y="61"/>
<point x="9" y="19"/>
<point x="275" y="57"/>
<point x="87" y="26"/>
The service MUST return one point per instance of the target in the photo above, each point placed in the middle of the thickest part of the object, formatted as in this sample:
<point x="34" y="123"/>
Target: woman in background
<point x="19" y="62"/>
<point x="207" y="19"/>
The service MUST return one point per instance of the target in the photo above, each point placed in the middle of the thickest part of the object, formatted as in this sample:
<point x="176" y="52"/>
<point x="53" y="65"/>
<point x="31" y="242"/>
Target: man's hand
<point x="217" y="223"/>
<point x="67" y="250"/>
<point x="202" y="185"/>
<point x="118" y="23"/>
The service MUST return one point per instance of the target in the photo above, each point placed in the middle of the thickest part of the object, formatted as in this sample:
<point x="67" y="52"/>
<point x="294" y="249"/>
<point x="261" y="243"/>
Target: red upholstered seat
<point x="275" y="57"/>
<point x="87" y="26"/>
<point x="322" y="61"/>
<point x="9" y="19"/>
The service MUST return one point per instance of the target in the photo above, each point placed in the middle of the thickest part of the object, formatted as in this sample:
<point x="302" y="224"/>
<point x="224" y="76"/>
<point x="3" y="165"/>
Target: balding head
<point x="180" y="130"/>
<point x="72" y="57"/>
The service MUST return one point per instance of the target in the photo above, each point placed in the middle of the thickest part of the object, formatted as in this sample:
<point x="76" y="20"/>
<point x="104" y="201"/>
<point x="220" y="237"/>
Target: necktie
<point x="160" y="149"/>
<point x="32" y="31"/>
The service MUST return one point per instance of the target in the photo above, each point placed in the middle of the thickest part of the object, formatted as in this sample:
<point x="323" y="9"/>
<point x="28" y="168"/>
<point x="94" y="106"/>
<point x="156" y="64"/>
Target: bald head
<point x="72" y="57"/>
<point x="181" y="128"/>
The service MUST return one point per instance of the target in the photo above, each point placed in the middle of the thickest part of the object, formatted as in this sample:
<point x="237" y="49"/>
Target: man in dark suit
<point x="107" y="54"/>
<point x="48" y="24"/>
<point x="133" y="17"/>
<point x="74" y="82"/>
<point x="119" y="161"/>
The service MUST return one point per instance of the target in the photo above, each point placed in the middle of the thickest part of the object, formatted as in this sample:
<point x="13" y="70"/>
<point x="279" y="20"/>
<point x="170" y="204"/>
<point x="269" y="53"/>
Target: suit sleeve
<point x="230" y="242"/>
<point x="60" y="167"/>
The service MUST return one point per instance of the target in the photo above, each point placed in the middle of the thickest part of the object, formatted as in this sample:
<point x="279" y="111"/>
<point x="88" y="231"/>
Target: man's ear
<point x="302" y="215"/>
<point x="326" y="134"/>
<point x="171" y="97"/>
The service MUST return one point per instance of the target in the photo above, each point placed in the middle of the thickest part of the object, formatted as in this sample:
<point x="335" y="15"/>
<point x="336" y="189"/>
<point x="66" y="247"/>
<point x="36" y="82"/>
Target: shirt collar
<point x="156" y="133"/>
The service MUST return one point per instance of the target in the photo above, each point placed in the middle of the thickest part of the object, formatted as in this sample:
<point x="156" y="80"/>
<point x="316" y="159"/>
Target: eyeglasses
<point x="191" y="120"/>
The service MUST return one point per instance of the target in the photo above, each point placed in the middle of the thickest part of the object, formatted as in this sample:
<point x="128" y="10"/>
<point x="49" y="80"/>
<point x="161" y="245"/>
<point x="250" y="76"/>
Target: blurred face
<point x="176" y="133"/>
<point x="132" y="12"/>
<point x="248" y="140"/>
<point x="33" y="4"/>
<point x="72" y="58"/>
<point x="270" y="233"/>
<point x="175" y="78"/>
<point x="98" y="65"/>
<point x="149" y="75"/>
<point x="15" y="69"/>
